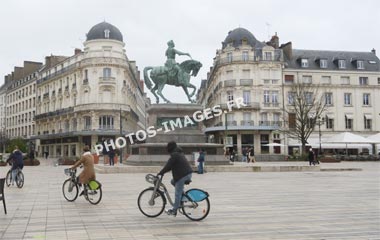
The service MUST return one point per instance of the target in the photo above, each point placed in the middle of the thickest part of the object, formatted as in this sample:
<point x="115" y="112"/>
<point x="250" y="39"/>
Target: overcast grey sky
<point x="32" y="29"/>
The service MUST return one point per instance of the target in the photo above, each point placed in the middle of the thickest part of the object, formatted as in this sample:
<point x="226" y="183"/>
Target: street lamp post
<point x="320" y="122"/>
<point x="121" y="134"/>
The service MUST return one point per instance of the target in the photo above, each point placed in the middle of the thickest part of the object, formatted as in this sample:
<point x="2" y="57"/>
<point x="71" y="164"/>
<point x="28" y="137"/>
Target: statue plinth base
<point x="190" y="139"/>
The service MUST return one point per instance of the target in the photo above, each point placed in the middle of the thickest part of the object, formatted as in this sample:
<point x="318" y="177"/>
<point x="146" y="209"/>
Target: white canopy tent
<point x="376" y="139"/>
<point x="349" y="138"/>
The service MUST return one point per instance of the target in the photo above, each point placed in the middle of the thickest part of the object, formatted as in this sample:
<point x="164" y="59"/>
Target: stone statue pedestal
<point x="191" y="139"/>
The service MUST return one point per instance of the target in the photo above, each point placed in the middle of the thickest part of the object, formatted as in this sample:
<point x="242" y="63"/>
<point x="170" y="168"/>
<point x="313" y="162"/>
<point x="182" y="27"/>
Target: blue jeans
<point x="200" y="167"/>
<point x="179" y="186"/>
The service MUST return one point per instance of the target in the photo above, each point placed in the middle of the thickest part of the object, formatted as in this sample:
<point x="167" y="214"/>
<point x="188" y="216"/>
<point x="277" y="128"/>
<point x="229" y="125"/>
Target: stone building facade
<point x="262" y="74"/>
<point x="19" y="100"/>
<point x="87" y="97"/>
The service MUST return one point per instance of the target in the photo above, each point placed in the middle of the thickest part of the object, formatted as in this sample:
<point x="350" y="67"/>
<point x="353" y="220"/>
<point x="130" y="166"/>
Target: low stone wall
<point x="160" y="160"/>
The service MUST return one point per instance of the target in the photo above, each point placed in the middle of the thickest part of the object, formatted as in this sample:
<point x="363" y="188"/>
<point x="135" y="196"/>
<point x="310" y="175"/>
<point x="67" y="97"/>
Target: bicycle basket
<point x="69" y="171"/>
<point x="197" y="195"/>
<point x="94" y="185"/>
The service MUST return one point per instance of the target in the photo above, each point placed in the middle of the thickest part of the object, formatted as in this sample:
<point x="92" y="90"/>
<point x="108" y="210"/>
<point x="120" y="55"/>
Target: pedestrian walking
<point x="201" y="160"/>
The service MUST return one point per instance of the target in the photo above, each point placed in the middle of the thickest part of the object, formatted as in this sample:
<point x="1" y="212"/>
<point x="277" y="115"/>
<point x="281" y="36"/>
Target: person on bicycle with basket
<point x="181" y="171"/>
<point x="15" y="159"/>
<point x="88" y="172"/>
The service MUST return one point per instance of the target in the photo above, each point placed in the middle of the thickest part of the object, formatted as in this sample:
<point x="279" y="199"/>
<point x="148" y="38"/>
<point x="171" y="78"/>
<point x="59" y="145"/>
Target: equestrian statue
<point x="172" y="74"/>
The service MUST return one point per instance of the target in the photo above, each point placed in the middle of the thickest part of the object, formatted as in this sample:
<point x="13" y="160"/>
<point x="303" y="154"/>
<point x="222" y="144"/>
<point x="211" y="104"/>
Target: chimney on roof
<point x="373" y="51"/>
<point x="287" y="49"/>
<point x="274" y="41"/>
<point x="77" y="51"/>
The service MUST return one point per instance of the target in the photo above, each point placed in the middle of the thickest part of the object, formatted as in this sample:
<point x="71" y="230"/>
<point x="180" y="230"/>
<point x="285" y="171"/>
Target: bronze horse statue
<point x="161" y="76"/>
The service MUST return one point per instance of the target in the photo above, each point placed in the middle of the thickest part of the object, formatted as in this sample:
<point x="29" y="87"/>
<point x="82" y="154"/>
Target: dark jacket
<point x="311" y="156"/>
<point x="201" y="157"/>
<point x="16" y="157"/>
<point x="178" y="164"/>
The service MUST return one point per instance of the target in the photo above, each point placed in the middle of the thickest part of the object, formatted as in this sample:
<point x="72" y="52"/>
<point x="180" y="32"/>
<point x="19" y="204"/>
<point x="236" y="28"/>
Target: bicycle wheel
<point x="94" y="196"/>
<point x="8" y="178"/>
<point x="19" y="179"/>
<point x="70" y="190"/>
<point x="151" y="208"/>
<point x="196" y="211"/>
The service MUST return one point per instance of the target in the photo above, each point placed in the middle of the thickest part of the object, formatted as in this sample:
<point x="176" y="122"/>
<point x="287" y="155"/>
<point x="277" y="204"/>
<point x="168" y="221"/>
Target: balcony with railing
<point x="246" y="82"/>
<point x="54" y="113"/>
<point x="245" y="125"/>
<point x="241" y="58"/>
<point x="46" y="96"/>
<point x="107" y="80"/>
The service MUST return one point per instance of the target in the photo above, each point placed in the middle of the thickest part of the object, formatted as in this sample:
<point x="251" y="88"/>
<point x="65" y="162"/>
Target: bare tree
<point x="305" y="107"/>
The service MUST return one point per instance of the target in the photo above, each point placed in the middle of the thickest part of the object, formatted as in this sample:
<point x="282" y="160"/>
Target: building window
<point x="347" y="99"/>
<point x="360" y="64"/>
<point x="85" y="74"/>
<point x="291" y="98"/>
<point x="245" y="56"/>
<point x="289" y="79"/>
<point x="307" y="79"/>
<point x="230" y="95"/>
<point x="345" y="80"/>
<point x="329" y="123"/>
<point x="304" y="63"/>
<point x="363" y="80"/>
<point x="268" y="56"/>
<point x="107" y="33"/>
<point x="366" y="99"/>
<point x="326" y="80"/>
<point x="266" y="96"/>
<point x="367" y="121"/>
<point x="323" y="63"/>
<point x="106" y="122"/>
<point x="275" y="97"/>
<point x="342" y="64"/>
<point x="229" y="57"/>
<point x="348" y="122"/>
<point x="328" y="99"/>
<point x="106" y="72"/>
<point x="309" y="98"/>
<point x="87" y="123"/>
<point x="246" y="97"/>
<point x="378" y="81"/>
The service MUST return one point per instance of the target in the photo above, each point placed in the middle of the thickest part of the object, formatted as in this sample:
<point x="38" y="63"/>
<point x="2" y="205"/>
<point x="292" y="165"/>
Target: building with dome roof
<point x="248" y="68"/>
<point x="263" y="73"/>
<point x="81" y="99"/>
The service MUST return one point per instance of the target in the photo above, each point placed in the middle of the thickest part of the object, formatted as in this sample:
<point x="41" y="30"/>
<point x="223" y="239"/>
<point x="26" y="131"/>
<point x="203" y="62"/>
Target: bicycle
<point x="19" y="178"/>
<point x="92" y="191"/>
<point x="195" y="204"/>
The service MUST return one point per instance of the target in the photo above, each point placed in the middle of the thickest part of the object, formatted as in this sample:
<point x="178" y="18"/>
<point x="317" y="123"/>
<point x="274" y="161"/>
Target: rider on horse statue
<point x="172" y="67"/>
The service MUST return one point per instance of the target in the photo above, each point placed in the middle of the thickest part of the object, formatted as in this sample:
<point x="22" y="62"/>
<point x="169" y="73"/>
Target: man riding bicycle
<point x="181" y="171"/>
<point x="17" y="162"/>
<point x="88" y="172"/>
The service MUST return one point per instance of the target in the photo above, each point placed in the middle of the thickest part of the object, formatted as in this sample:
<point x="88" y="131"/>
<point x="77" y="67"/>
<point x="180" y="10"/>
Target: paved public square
<point x="244" y="205"/>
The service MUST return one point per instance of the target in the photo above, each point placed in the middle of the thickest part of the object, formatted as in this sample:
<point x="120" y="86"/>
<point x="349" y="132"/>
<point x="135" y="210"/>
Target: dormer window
<point x="323" y="63"/>
<point x="342" y="64"/>
<point x="229" y="57"/>
<point x="360" y="64"/>
<point x="107" y="33"/>
<point x="268" y="56"/>
<point x="304" y="63"/>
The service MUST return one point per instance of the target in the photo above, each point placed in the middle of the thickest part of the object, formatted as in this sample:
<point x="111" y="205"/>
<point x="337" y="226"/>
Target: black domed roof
<point x="104" y="30"/>
<point x="237" y="36"/>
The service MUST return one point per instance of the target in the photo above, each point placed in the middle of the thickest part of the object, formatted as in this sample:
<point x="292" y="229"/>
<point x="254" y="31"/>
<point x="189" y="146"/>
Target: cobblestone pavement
<point x="261" y="205"/>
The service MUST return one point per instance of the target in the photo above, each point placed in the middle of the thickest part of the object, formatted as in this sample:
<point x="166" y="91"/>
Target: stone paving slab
<point x="244" y="205"/>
